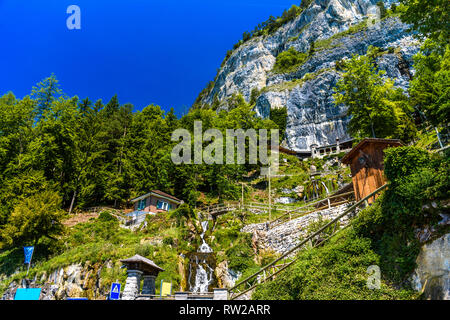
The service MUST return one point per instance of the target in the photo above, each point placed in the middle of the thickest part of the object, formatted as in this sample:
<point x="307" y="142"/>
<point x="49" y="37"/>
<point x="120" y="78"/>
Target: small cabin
<point x="366" y="162"/>
<point x="155" y="202"/>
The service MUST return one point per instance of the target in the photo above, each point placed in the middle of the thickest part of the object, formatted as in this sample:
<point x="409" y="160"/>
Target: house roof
<point x="139" y="259"/>
<point x="390" y="142"/>
<point x="159" y="194"/>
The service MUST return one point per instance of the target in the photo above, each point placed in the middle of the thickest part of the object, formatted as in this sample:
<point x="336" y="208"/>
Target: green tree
<point x="430" y="18"/>
<point x="376" y="108"/>
<point x="19" y="187"/>
<point x="88" y="134"/>
<point x="45" y="93"/>
<point x="16" y="130"/>
<point x="279" y="116"/>
<point x="430" y="88"/>
<point x="117" y="122"/>
<point x="34" y="218"/>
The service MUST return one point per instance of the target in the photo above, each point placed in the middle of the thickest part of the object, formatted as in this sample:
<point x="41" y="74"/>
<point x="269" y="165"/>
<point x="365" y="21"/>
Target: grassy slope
<point x="383" y="234"/>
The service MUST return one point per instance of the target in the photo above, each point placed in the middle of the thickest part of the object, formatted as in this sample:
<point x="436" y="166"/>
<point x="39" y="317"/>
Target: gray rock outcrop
<point x="307" y="92"/>
<point x="432" y="275"/>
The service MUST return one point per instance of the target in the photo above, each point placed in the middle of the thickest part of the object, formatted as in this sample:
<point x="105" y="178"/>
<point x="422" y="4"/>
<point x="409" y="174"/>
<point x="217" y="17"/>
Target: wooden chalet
<point x="366" y="162"/>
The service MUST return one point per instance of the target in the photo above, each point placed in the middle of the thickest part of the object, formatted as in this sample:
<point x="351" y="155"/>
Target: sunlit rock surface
<point x="307" y="92"/>
<point x="433" y="268"/>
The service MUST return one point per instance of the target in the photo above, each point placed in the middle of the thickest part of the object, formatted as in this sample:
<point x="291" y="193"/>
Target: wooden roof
<point x="166" y="195"/>
<point x="389" y="142"/>
<point x="139" y="259"/>
<point x="158" y="193"/>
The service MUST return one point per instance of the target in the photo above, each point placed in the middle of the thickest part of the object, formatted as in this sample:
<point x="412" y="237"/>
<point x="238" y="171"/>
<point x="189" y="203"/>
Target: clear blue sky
<point x="146" y="51"/>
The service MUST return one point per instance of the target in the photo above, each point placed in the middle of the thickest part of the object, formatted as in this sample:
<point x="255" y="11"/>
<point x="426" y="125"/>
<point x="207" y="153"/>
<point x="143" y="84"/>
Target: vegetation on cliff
<point x="376" y="107"/>
<point x="385" y="234"/>
<point x="289" y="61"/>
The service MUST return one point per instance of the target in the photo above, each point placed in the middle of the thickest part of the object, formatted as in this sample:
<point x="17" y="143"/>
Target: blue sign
<point x="115" y="291"/>
<point x="28" y="254"/>
<point x="28" y="294"/>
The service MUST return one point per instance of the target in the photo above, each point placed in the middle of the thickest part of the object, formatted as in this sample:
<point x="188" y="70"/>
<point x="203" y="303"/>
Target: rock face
<point x="74" y="281"/>
<point x="433" y="268"/>
<point x="307" y="92"/>
<point x="226" y="278"/>
<point x="286" y="236"/>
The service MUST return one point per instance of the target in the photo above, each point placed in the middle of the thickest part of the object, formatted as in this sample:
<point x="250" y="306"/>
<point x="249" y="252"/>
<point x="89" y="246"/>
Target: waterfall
<point x="203" y="277"/>
<point x="204" y="248"/>
<point x="202" y="263"/>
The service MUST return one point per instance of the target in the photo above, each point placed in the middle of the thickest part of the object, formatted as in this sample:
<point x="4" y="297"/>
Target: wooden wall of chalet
<point x="367" y="166"/>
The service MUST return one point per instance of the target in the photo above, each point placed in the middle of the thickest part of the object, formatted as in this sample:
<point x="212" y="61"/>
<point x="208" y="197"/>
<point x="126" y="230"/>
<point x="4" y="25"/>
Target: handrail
<point x="302" y="214"/>
<point x="315" y="234"/>
<point x="441" y="149"/>
<point x="309" y="205"/>
<point x="254" y="205"/>
<point x="285" y="266"/>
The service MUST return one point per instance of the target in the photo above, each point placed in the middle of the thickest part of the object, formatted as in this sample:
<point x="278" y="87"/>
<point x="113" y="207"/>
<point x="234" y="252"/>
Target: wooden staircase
<point x="281" y="264"/>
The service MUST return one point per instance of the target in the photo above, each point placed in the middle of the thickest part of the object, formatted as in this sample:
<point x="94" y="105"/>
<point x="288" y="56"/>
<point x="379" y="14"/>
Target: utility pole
<point x="242" y="204"/>
<point x="270" y="198"/>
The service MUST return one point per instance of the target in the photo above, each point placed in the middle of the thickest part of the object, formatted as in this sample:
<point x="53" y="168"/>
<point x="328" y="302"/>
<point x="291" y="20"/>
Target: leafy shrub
<point x="226" y="236"/>
<point x="383" y="10"/>
<point x="279" y="116"/>
<point x="289" y="60"/>
<point x="240" y="255"/>
<point x="106" y="216"/>
<point x="168" y="241"/>
<point x="403" y="161"/>
<point x="336" y="271"/>
<point x="316" y="225"/>
<point x="267" y="256"/>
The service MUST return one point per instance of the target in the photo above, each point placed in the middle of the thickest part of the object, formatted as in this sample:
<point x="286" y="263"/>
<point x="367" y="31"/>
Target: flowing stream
<point x="201" y="266"/>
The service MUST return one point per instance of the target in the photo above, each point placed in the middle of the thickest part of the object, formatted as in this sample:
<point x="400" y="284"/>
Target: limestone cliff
<point x="350" y="26"/>
<point x="73" y="281"/>
<point x="433" y="266"/>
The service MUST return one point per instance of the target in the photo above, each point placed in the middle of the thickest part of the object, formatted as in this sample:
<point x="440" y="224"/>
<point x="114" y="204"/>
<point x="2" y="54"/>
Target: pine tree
<point x="45" y="93"/>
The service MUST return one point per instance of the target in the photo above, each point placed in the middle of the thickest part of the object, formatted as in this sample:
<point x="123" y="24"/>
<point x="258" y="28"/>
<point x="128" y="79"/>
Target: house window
<point x="162" y="205"/>
<point x="141" y="205"/>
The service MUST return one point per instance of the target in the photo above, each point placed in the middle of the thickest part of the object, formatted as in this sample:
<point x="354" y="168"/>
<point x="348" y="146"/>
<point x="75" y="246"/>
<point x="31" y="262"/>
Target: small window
<point x="141" y="205"/>
<point x="162" y="205"/>
<point x="361" y="160"/>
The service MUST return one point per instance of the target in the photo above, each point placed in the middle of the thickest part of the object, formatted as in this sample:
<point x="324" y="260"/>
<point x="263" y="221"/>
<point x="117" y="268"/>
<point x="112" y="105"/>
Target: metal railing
<point x="248" y="282"/>
<point x="290" y="211"/>
<point x="441" y="149"/>
<point x="293" y="214"/>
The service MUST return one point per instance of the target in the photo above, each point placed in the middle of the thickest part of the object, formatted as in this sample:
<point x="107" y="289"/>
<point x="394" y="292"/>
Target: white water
<point x="203" y="278"/>
<point x="204" y="273"/>
<point x="204" y="248"/>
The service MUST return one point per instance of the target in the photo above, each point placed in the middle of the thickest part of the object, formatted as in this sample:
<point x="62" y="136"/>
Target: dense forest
<point x="80" y="153"/>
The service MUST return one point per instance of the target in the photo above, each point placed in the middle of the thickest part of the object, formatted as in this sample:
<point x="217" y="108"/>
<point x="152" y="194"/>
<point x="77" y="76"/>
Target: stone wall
<point x="73" y="281"/>
<point x="286" y="236"/>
